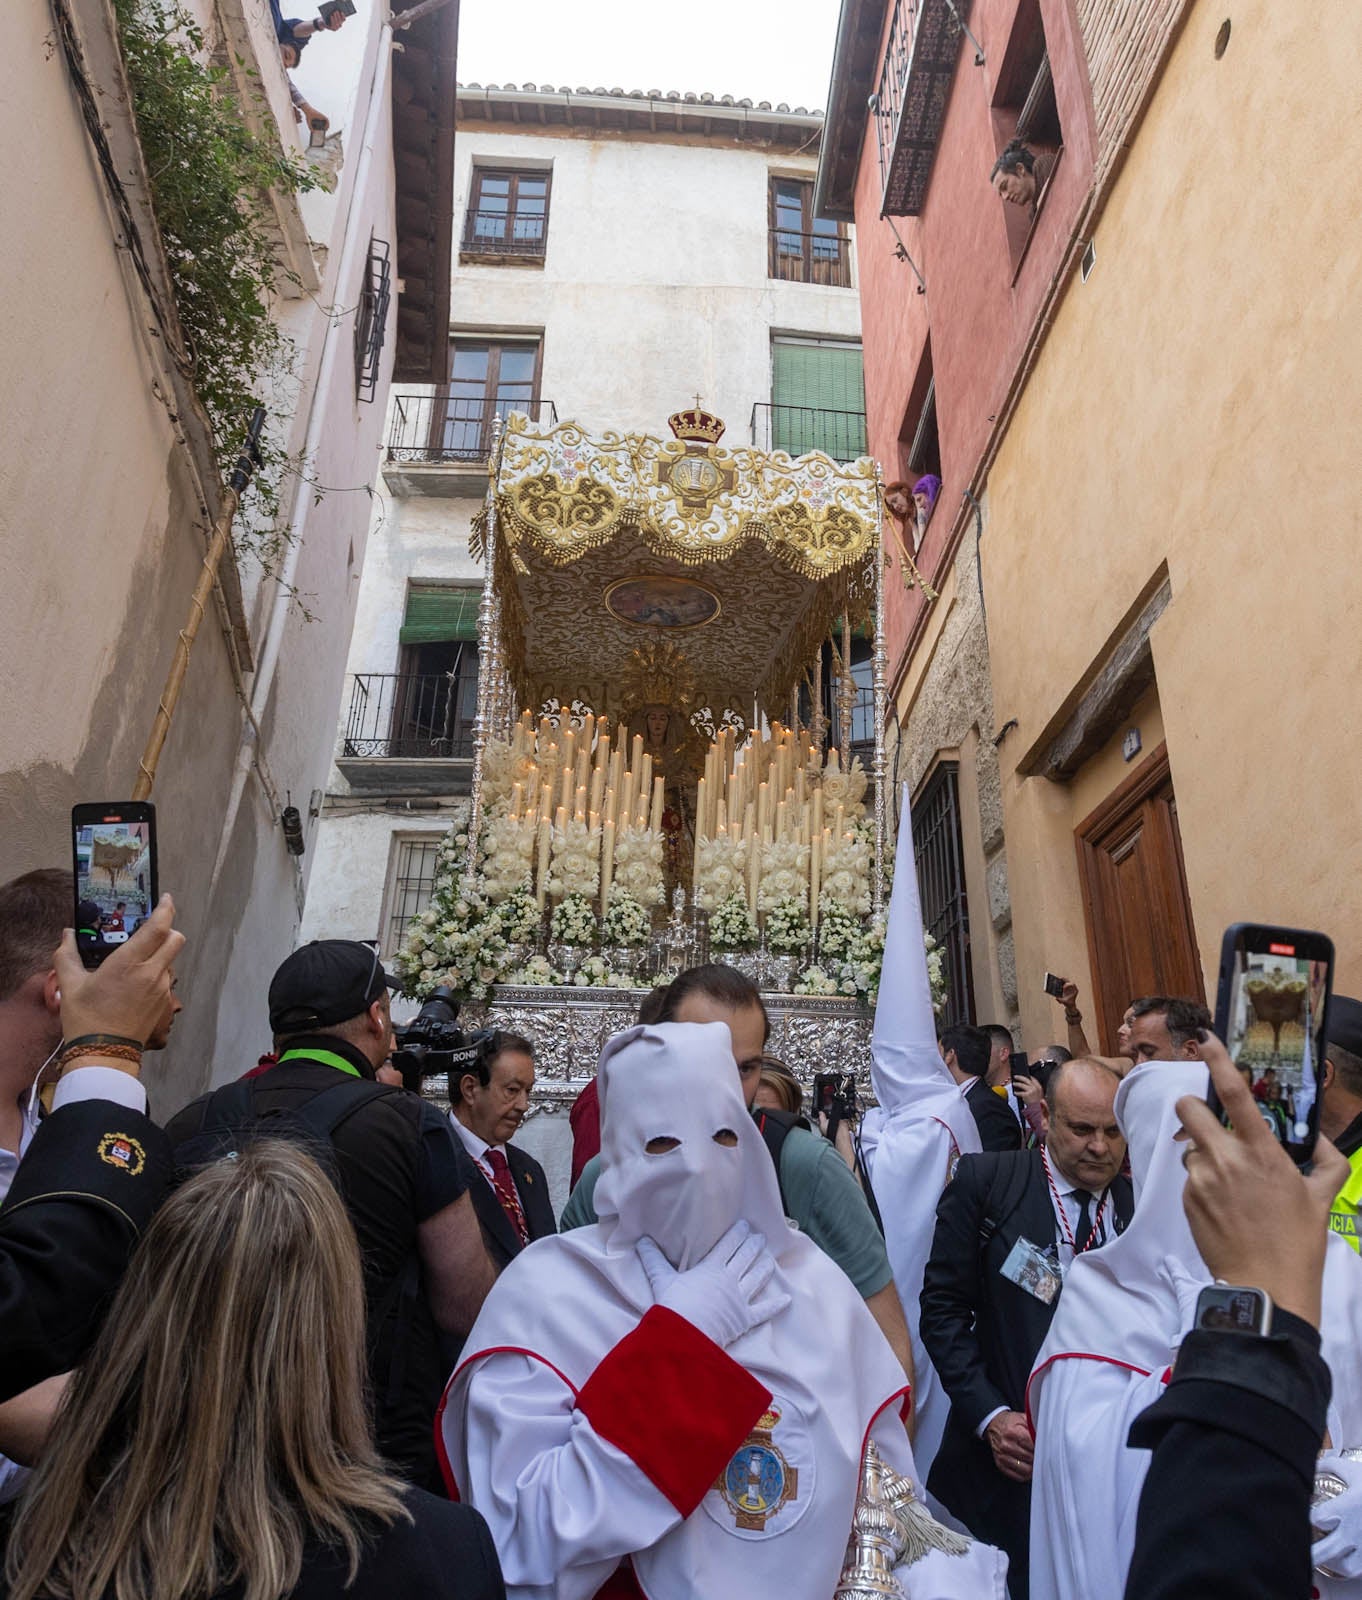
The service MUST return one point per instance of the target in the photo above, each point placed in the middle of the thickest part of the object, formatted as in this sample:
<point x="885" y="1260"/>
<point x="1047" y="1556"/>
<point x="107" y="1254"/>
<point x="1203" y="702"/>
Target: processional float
<point x="651" y="778"/>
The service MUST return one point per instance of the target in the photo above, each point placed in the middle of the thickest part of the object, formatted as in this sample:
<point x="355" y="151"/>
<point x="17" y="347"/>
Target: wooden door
<point x="1140" y="935"/>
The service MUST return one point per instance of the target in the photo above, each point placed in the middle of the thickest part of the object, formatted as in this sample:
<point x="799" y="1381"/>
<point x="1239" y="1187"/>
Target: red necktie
<point x="504" y="1185"/>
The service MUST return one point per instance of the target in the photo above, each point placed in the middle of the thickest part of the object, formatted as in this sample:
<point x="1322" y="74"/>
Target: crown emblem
<point x="696" y="426"/>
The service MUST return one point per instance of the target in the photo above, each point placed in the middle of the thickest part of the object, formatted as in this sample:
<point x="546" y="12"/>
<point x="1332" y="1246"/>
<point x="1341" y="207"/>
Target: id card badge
<point x="1033" y="1270"/>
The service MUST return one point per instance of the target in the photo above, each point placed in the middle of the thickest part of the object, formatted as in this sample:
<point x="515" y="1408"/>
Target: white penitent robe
<point x="921" y="1127"/>
<point x="1122" y="1314"/>
<point x="592" y="1426"/>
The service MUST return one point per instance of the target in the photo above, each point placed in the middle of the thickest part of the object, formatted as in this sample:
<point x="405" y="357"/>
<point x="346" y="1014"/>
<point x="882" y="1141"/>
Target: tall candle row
<point x="580" y="774"/>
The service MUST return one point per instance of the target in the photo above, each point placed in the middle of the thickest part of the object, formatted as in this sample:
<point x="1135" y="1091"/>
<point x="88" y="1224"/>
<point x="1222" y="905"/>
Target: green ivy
<point x="210" y="182"/>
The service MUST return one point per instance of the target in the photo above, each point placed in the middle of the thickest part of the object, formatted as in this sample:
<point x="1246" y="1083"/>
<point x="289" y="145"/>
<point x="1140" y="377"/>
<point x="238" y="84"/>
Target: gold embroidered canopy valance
<point x="740" y="559"/>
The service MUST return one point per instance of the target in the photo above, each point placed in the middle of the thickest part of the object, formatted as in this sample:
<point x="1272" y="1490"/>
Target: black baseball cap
<point x="327" y="981"/>
<point x="1345" y="1023"/>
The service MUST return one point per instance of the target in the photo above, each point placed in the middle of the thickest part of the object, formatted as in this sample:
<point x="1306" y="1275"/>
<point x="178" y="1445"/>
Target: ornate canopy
<point x="608" y="546"/>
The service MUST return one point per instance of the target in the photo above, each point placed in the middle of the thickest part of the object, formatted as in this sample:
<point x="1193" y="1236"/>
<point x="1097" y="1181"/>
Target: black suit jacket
<point x="998" y="1126"/>
<point x="84" y="1191"/>
<point x="981" y="1330"/>
<point x="503" y="1243"/>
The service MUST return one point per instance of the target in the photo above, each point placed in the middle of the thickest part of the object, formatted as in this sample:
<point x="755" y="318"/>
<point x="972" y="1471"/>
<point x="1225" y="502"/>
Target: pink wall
<point x="977" y="315"/>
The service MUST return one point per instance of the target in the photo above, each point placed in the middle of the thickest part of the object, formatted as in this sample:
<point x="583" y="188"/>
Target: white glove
<point x="1340" y="1520"/>
<point x="725" y="1295"/>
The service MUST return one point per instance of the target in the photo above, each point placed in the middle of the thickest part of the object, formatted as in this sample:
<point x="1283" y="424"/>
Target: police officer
<point x="1340" y="1112"/>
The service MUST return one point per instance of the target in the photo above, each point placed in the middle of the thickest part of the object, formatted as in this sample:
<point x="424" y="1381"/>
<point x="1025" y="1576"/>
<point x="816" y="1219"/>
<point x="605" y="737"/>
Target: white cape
<point x="563" y="1503"/>
<point x="1122" y="1314"/>
<point x="920" y="1129"/>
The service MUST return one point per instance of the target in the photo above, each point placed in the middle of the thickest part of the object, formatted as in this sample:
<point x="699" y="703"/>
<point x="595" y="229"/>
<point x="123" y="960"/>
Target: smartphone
<point x="1054" y="985"/>
<point x="113" y="847"/>
<point x="1272" y="1011"/>
<point x="1019" y="1064"/>
<point x="345" y="7"/>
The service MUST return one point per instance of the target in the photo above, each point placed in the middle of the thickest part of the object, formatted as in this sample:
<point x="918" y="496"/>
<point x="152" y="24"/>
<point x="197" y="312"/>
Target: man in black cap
<point x="1340" y="1108"/>
<point x="404" y="1183"/>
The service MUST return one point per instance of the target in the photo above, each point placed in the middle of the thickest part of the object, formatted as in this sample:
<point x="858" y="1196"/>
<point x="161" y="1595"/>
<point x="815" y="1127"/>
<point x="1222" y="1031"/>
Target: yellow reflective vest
<point x="1344" y="1216"/>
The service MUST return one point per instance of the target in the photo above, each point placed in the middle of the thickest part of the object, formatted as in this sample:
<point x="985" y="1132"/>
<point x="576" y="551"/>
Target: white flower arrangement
<point x="537" y="973"/>
<point x="507" y="855"/>
<point x="838" y="927"/>
<point x="519" y="915"/>
<point x="720" y="870"/>
<point x="638" y="865"/>
<point x="625" y="923"/>
<point x="846" y="874"/>
<point x="594" y="973"/>
<point x="498" y="772"/>
<point x="787" y="926"/>
<point x="816" y="980"/>
<point x="573" y="922"/>
<point x="731" y="925"/>
<point x="845" y="788"/>
<point x="784" y="874"/>
<point x="575" y="863"/>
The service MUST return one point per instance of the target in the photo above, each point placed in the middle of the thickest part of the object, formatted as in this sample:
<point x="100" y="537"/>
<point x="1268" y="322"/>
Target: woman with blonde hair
<point x="216" y="1442"/>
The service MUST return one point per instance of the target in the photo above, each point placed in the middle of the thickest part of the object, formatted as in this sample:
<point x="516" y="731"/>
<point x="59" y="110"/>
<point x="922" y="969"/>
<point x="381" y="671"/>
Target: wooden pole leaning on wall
<point x="246" y="464"/>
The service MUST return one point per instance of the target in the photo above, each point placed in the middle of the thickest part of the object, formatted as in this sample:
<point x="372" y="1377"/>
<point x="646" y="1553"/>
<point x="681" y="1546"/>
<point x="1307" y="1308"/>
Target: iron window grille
<point x="941" y="883"/>
<point x="371" y="318"/>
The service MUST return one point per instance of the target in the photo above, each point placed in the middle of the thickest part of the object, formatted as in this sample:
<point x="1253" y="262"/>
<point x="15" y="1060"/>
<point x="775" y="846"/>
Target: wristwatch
<point x="1230" y="1308"/>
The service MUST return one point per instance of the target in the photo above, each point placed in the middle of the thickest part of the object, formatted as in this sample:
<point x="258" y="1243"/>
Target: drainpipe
<point x="337" y="336"/>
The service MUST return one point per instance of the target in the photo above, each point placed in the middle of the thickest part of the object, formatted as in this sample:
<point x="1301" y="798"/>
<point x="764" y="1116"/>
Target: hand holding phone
<point x="1256" y="1221"/>
<point x="113" y="847"/>
<point x="126" y="995"/>
<point x="1055" y="986"/>
<point x="1271" y="1011"/>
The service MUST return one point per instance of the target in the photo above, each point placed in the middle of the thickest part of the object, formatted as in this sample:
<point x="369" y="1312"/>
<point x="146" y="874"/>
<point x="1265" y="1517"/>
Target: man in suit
<point x="488" y="1103"/>
<point x="966" y="1052"/>
<point x="1008" y="1227"/>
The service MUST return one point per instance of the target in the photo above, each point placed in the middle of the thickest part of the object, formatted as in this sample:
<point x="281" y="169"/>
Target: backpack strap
<point x="774" y="1127"/>
<point x="229" y="1107"/>
<point x="1005" y="1191"/>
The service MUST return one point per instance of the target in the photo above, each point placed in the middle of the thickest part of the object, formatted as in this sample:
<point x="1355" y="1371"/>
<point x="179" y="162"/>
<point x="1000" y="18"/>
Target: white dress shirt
<point x="476" y="1147"/>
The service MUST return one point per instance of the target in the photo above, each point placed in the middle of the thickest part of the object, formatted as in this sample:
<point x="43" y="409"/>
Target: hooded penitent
<point x="920" y="1129"/>
<point x="1122" y="1313"/>
<point x="576" y="1464"/>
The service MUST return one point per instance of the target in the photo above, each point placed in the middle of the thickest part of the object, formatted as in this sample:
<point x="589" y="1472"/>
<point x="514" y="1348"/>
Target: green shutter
<point x="435" y="615"/>
<point x="818" y="399"/>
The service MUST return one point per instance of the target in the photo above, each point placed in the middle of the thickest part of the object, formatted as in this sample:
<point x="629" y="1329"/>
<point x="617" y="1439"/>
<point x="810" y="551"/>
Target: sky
<point x="751" y="49"/>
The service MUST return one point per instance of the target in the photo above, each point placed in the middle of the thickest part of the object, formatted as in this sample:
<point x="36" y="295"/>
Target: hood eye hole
<point x="660" y="1146"/>
<point x="726" y="1137"/>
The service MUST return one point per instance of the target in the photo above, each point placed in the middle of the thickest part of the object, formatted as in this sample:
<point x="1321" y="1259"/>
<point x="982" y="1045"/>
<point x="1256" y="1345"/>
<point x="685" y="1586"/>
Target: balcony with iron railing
<point x="499" y="236"/>
<point x="438" y="444"/>
<point x="409" y="730"/>
<point x="799" y="429"/>
<point x="909" y="106"/>
<point x="823" y="258"/>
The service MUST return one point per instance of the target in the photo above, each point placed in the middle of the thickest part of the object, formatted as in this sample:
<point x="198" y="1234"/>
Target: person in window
<point x="1020" y="174"/>
<point x="925" y="491"/>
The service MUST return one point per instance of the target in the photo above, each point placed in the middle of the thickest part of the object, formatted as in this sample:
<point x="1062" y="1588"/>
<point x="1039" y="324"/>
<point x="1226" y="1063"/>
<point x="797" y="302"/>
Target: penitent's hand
<point x="1256" y="1219"/>
<point x="726" y="1294"/>
<point x="129" y="993"/>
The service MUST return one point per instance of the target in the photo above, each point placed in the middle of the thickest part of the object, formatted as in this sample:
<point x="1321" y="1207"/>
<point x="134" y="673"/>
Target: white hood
<point x="906" y="1071"/>
<point x="682" y="1085"/>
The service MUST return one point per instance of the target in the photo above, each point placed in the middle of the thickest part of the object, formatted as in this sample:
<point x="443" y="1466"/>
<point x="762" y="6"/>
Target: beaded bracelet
<point x="101" y="1039"/>
<point x="1073" y="1016"/>
<point x="118" y="1052"/>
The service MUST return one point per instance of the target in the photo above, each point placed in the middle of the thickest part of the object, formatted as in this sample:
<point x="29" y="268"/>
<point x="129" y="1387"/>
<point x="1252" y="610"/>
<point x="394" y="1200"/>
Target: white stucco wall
<point x="654" y="287"/>
<point x="101" y="545"/>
